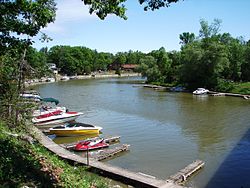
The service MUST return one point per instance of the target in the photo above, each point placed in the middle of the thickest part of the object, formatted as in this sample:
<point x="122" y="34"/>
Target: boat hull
<point x="99" y="146"/>
<point x="74" y="132"/>
<point x="50" y="123"/>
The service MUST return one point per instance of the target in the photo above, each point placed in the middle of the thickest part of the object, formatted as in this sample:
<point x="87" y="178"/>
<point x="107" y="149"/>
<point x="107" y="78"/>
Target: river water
<point x="166" y="130"/>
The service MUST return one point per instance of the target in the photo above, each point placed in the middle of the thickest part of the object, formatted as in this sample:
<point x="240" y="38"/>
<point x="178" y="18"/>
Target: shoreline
<point x="85" y="77"/>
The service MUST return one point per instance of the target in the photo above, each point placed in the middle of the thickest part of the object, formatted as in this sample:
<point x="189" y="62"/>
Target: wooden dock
<point x="107" y="153"/>
<point x="113" y="172"/>
<point x="181" y="176"/>
<point x="156" y="87"/>
<point x="109" y="140"/>
<point x="212" y="93"/>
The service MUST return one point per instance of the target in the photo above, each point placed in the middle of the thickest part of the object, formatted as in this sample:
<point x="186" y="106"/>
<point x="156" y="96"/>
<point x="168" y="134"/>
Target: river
<point x="166" y="130"/>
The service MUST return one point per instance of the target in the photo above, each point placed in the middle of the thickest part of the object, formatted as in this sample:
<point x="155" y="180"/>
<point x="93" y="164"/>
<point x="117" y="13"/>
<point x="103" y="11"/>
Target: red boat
<point x="91" y="144"/>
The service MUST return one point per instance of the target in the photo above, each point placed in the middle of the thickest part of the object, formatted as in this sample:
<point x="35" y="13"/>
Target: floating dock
<point x="181" y="176"/>
<point x="107" y="153"/>
<point x="213" y="93"/>
<point x="156" y="87"/>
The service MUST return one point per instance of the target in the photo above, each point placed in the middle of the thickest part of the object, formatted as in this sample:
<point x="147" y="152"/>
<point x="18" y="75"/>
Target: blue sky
<point x="143" y="31"/>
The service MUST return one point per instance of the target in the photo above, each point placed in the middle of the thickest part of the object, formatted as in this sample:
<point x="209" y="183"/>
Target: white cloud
<point x="72" y="10"/>
<point x="68" y="11"/>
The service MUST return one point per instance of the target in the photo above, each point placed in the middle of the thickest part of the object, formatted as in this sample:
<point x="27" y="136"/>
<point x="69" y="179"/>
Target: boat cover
<point x="51" y="100"/>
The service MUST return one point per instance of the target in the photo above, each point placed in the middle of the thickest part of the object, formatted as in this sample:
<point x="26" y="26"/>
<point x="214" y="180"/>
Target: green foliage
<point x="207" y="30"/>
<point x="186" y="38"/>
<point x="243" y="88"/>
<point x="156" y="4"/>
<point x="22" y="163"/>
<point x="23" y="17"/>
<point x="203" y="62"/>
<point x="103" y="8"/>
<point x="224" y="85"/>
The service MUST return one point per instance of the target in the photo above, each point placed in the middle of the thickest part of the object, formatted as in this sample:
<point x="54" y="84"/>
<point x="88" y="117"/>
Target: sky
<point x="143" y="31"/>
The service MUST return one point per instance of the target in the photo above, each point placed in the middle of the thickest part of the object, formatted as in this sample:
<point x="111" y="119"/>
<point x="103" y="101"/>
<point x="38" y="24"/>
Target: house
<point x="53" y="68"/>
<point x="129" y="67"/>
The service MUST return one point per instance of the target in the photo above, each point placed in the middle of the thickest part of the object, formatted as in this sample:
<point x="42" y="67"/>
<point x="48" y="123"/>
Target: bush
<point x="224" y="86"/>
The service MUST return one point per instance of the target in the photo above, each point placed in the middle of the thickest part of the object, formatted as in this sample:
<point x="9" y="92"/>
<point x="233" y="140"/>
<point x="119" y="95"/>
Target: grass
<point x="23" y="163"/>
<point x="241" y="88"/>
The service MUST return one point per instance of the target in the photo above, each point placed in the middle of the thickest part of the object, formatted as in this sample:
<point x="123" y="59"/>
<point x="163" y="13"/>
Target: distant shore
<point x="81" y="77"/>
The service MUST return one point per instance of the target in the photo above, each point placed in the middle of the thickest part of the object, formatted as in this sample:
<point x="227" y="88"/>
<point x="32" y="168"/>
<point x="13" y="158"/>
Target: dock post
<point x="87" y="156"/>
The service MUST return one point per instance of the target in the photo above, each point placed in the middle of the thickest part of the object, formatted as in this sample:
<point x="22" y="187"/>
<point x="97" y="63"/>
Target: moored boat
<point x="30" y="96"/>
<point x="47" y="110"/>
<point x="200" y="91"/>
<point x="56" y="117"/>
<point x="91" y="144"/>
<point x="74" y="129"/>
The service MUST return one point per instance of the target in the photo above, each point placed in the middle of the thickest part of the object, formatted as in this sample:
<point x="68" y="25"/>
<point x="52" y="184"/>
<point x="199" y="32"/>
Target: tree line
<point x="80" y="60"/>
<point x="212" y="59"/>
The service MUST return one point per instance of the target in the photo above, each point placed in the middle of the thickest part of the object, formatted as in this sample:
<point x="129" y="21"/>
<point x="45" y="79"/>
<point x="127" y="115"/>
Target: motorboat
<point x="44" y="109"/>
<point x="177" y="89"/>
<point x="65" y="78"/>
<point x="30" y="96"/>
<point x="200" y="91"/>
<point x="74" y="129"/>
<point x="91" y="144"/>
<point x="55" y="117"/>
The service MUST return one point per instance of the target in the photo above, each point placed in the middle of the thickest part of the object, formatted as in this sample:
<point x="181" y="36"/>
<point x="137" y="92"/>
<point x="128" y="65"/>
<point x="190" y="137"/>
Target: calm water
<point x="166" y="131"/>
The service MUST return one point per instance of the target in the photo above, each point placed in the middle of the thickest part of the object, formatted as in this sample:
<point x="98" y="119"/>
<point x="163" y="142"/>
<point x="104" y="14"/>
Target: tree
<point x="102" y="8"/>
<point x="207" y="30"/>
<point x="20" y="20"/>
<point x="245" y="67"/>
<point x="23" y="18"/>
<point x="149" y="69"/>
<point x="186" y="38"/>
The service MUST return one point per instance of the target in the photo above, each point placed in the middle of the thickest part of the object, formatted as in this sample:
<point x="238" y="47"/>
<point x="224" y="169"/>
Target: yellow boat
<point x="75" y="129"/>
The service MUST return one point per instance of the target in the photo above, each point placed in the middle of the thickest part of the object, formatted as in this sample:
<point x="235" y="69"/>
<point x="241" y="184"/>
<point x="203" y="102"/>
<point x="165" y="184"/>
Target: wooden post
<point x="88" y="156"/>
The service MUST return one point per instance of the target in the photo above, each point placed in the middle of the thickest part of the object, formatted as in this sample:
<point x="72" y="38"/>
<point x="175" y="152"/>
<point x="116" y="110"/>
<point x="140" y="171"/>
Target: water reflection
<point x="71" y="139"/>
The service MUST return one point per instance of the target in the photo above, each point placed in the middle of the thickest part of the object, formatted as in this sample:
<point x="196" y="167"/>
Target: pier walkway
<point x="123" y="175"/>
<point x="213" y="93"/>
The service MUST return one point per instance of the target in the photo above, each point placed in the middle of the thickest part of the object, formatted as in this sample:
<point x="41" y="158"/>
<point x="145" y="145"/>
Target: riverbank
<point x="59" y="77"/>
<point x="26" y="163"/>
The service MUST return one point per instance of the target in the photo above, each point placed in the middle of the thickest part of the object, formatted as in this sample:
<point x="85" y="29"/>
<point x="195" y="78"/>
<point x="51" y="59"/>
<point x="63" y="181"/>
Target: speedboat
<point x="47" y="110"/>
<point x="34" y="97"/>
<point x="55" y="117"/>
<point x="200" y="91"/>
<point x="74" y="129"/>
<point x="47" y="107"/>
<point x="91" y="144"/>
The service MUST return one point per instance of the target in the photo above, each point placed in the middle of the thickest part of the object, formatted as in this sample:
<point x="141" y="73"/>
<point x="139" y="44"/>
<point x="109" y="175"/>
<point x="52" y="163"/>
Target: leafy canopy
<point x="104" y="7"/>
<point x="23" y="17"/>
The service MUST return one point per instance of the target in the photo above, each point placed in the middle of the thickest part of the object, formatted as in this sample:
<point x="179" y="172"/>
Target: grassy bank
<point x="23" y="161"/>
<point x="241" y="88"/>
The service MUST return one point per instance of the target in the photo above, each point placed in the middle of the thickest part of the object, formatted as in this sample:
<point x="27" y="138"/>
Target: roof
<point x="129" y="66"/>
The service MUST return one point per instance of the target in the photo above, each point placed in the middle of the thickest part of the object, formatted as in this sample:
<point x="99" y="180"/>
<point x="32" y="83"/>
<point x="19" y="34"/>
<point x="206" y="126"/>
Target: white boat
<point x="74" y="129"/>
<point x="30" y="96"/>
<point x="47" y="110"/>
<point x="65" y="78"/>
<point x="56" y="117"/>
<point x="50" y="79"/>
<point x="200" y="91"/>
